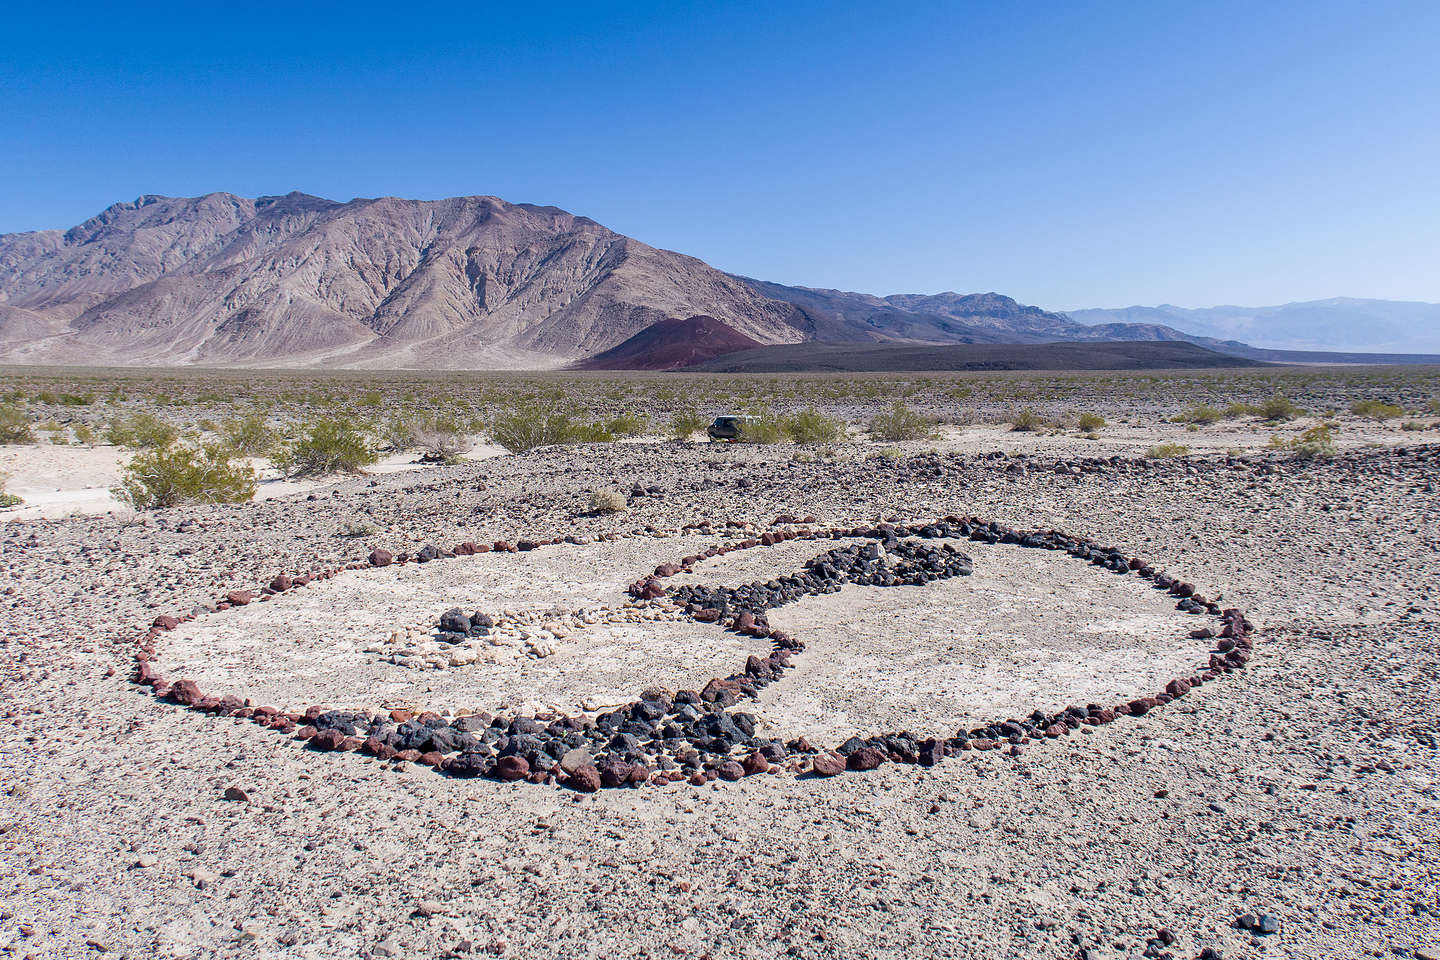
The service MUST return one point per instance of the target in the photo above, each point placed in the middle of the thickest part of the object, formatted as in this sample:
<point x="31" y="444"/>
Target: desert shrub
<point x="1315" y="443"/>
<point x="1376" y="410"/>
<point x="1279" y="407"/>
<point x="1026" y="420"/>
<point x="1434" y="405"/>
<point x="249" y="436"/>
<point x="8" y="499"/>
<point x="686" y="424"/>
<point x="1412" y="425"/>
<point x="1165" y="451"/>
<point x="181" y="473"/>
<point x="1234" y="411"/>
<point x="522" y="428"/>
<point x="607" y="501"/>
<point x="900" y="423"/>
<point x="444" y="440"/>
<point x="764" y="428"/>
<point x="15" y="425"/>
<point x="1091" y="422"/>
<point x="1201" y="414"/>
<point x="812" y="426"/>
<point x="85" y="435"/>
<point x="75" y="399"/>
<point x="325" y="447"/>
<point x="887" y="453"/>
<point x="399" y="433"/>
<point x="359" y="528"/>
<point x="141" y="431"/>
<point x="628" y="424"/>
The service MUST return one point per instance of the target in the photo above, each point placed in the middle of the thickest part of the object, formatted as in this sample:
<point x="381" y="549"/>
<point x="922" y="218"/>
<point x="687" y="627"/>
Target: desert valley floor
<point x="1302" y="790"/>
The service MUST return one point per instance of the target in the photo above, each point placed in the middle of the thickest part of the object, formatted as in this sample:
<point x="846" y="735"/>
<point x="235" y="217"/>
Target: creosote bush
<point x="1200" y="414"/>
<point x="1026" y="420"/>
<point x="1165" y="451"/>
<point x="686" y="424"/>
<point x="1091" y="422"/>
<point x="249" y="436"/>
<point x="141" y="431"/>
<point x="764" y="427"/>
<point x="1280" y="408"/>
<point x="177" y="474"/>
<point x="812" y="426"/>
<point x="325" y="447"/>
<point x="524" y="428"/>
<point x="1376" y="410"/>
<point x="15" y="425"/>
<point x="1315" y="443"/>
<point x="900" y="423"/>
<point x="8" y="499"/>
<point x="608" y="501"/>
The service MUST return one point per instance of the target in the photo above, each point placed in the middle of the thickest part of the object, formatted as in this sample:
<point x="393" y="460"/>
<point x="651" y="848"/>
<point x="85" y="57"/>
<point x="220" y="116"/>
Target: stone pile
<point x="697" y="735"/>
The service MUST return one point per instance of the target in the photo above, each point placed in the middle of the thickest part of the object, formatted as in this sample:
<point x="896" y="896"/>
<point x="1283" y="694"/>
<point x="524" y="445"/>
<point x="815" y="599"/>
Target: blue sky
<point x="1067" y="154"/>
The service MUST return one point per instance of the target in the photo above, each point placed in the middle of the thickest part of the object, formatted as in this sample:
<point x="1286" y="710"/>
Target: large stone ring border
<point x="1234" y="636"/>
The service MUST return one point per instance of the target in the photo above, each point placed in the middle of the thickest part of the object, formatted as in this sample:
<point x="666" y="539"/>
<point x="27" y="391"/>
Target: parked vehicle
<point x="728" y="428"/>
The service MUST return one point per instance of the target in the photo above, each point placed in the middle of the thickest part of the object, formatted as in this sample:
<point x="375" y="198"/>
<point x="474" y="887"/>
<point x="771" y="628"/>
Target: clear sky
<point x="1068" y="154"/>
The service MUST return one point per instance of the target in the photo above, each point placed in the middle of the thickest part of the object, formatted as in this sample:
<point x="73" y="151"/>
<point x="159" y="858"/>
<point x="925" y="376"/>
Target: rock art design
<point x="700" y="735"/>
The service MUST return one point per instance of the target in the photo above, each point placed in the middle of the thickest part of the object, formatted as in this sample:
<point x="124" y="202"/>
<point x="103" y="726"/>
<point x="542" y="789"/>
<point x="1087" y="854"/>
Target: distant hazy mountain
<point x="1342" y="324"/>
<point x="469" y="282"/>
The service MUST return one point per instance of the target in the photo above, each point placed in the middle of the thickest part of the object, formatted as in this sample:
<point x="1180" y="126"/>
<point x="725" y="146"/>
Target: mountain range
<point x="477" y="283"/>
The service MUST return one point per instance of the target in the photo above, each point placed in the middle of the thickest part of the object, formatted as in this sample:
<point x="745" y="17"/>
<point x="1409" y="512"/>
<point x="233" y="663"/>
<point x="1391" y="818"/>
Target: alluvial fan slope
<point x="467" y="282"/>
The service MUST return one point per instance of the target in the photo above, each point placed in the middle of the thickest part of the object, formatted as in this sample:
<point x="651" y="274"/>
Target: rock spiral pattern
<point x="697" y="735"/>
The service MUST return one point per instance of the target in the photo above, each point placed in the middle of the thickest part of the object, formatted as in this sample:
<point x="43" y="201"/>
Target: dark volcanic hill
<point x="469" y="282"/>
<point x="885" y="357"/>
<point x="670" y="344"/>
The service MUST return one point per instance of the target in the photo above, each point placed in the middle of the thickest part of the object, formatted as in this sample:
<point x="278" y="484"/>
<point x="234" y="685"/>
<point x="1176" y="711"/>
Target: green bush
<point x="326" y="447"/>
<point x="7" y="499"/>
<point x="1375" y="410"/>
<point x="179" y="474"/>
<point x="526" y="427"/>
<point x="686" y="424"/>
<point x="1412" y="425"/>
<point x="1026" y="420"/>
<point x="628" y="424"/>
<point x="1279" y="408"/>
<point x="812" y="426"/>
<point x="764" y="428"/>
<point x="1090" y="422"/>
<point x="85" y="435"/>
<point x="141" y="431"/>
<point x="1200" y="413"/>
<point x="1315" y="443"/>
<point x="15" y="425"/>
<point x="1166" y="451"/>
<point x="249" y="436"/>
<point x="900" y="423"/>
<point x="1234" y="411"/>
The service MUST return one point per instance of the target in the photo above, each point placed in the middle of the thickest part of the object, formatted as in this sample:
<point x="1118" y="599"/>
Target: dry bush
<point x="900" y="423"/>
<point x="1201" y="414"/>
<point x="1090" y="422"/>
<point x="1026" y="420"/>
<point x="1280" y="408"/>
<point x="1376" y="410"/>
<point x="607" y="501"/>
<point x="1315" y="443"/>
<point x="1165" y="451"/>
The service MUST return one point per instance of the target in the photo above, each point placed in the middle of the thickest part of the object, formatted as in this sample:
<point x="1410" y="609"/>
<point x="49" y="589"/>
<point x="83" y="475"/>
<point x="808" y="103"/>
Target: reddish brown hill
<point x="669" y="344"/>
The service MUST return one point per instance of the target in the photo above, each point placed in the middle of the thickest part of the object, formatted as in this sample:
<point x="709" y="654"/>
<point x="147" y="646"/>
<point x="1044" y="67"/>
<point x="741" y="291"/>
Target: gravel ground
<point x="1303" y="788"/>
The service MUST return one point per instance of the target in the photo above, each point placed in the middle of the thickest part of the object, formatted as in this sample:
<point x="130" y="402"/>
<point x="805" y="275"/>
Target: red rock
<point x="281" y="583"/>
<point x="639" y="773"/>
<point x="145" y="674"/>
<point x="652" y="591"/>
<point x="166" y="622"/>
<point x="730" y="770"/>
<point x="313" y="711"/>
<point x="615" y="773"/>
<point x="706" y="615"/>
<point x="400" y="716"/>
<point x="239" y="598"/>
<point x="482" y="548"/>
<point x="380" y="557"/>
<point x="267" y="712"/>
<point x="1177" y="687"/>
<point x="512" y="768"/>
<point x="433" y="759"/>
<point x="755" y="763"/>
<point x="236" y="795"/>
<point x="667" y="569"/>
<point x="185" y="692"/>
<point x="866" y="758"/>
<point x="744" y="621"/>
<point x="585" y="779"/>
<point x="1139" y="707"/>
<point x="327" y="740"/>
<point x="504" y="546"/>
<point x="207" y="704"/>
<point x="408" y="756"/>
<point x="827" y="765"/>
<point x="1056" y="730"/>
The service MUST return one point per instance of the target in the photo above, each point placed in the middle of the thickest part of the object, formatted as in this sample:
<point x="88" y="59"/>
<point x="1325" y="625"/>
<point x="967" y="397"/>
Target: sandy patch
<point x="61" y="481"/>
